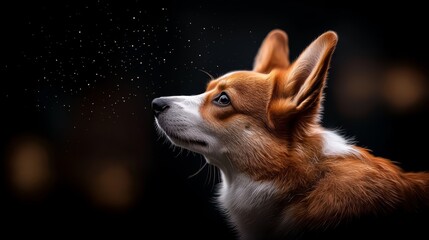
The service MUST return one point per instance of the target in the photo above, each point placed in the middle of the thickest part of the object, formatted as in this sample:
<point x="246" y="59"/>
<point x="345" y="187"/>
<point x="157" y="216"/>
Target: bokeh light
<point x="30" y="171"/>
<point x="81" y="153"/>
<point x="404" y="88"/>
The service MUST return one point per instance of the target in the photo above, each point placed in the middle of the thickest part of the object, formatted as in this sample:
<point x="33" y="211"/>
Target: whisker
<point x="214" y="178"/>
<point x="199" y="170"/>
<point x="208" y="74"/>
<point x="209" y="175"/>
<point x="219" y="176"/>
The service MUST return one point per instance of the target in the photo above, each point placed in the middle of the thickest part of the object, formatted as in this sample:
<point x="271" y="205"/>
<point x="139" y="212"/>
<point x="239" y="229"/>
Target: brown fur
<point x="282" y="104"/>
<point x="274" y="156"/>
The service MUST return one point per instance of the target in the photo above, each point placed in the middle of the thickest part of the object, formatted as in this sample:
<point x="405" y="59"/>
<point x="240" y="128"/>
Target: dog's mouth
<point x="180" y="139"/>
<point x="198" y="142"/>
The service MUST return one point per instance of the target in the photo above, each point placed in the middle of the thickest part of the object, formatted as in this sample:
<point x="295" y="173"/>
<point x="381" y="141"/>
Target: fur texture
<point x="283" y="174"/>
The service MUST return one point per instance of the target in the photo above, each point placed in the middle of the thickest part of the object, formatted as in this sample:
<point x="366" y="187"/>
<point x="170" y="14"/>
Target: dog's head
<point x="249" y="113"/>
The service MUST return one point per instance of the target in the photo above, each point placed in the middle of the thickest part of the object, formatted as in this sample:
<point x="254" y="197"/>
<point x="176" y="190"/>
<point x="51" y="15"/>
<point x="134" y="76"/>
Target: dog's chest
<point x="251" y="205"/>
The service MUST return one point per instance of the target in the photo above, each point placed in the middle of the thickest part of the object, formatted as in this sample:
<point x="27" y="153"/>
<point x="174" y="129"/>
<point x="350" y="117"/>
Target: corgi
<point x="283" y="175"/>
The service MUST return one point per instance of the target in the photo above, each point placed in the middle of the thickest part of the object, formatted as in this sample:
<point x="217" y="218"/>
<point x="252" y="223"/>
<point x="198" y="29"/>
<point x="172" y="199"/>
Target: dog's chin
<point x="192" y="144"/>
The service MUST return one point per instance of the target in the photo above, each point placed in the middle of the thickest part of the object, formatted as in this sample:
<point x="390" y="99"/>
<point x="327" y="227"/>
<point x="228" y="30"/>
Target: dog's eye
<point x="222" y="99"/>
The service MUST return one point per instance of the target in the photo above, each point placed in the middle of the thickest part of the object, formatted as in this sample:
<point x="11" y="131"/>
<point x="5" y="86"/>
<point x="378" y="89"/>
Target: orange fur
<point x="341" y="187"/>
<point x="271" y="133"/>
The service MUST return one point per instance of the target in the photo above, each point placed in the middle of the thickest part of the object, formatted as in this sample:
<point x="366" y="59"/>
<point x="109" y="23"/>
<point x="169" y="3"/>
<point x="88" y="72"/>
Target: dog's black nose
<point x="159" y="105"/>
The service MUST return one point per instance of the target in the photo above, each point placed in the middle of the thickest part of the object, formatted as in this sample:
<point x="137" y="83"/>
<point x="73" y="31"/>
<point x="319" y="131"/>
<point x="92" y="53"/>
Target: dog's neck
<point x="243" y="163"/>
<point x="283" y="165"/>
<point x="253" y="198"/>
<point x="270" y="161"/>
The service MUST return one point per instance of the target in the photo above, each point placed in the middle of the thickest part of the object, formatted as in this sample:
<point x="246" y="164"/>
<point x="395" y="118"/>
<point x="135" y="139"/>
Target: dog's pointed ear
<point x="273" y="53"/>
<point x="307" y="75"/>
<point x="299" y="93"/>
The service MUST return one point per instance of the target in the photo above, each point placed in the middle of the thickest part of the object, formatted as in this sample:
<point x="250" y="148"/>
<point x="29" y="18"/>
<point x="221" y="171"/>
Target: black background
<point x="81" y="76"/>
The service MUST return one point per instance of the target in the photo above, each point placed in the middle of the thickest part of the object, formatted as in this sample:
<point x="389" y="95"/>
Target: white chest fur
<point x="251" y="205"/>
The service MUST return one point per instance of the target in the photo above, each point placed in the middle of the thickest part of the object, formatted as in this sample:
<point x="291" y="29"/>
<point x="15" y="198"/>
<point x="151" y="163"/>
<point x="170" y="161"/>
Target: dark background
<point x="80" y="154"/>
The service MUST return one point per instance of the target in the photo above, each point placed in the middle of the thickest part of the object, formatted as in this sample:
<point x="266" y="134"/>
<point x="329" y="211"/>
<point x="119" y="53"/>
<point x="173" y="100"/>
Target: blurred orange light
<point x="29" y="168"/>
<point x="404" y="88"/>
<point x="111" y="186"/>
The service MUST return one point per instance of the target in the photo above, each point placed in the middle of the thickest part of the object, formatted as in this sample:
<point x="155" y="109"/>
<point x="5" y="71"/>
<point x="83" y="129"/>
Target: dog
<point x="283" y="175"/>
